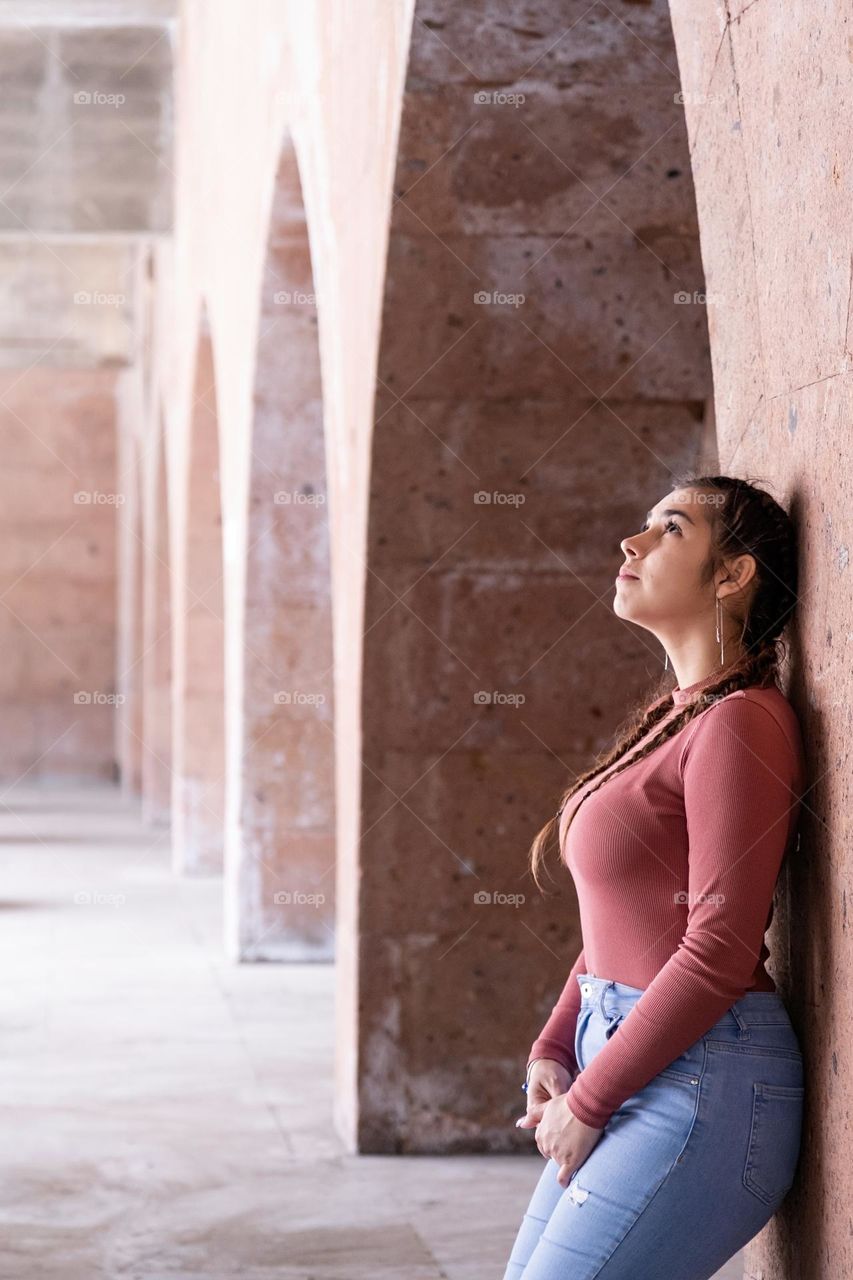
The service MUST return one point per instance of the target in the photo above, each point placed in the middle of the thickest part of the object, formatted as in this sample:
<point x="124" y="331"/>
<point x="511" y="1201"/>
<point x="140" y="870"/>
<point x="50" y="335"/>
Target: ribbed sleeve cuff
<point x="556" y="1050"/>
<point x="587" y="1114"/>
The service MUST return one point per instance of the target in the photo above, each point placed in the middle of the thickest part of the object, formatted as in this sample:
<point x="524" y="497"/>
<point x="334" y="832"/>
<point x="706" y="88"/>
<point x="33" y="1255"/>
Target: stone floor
<point x="166" y="1113"/>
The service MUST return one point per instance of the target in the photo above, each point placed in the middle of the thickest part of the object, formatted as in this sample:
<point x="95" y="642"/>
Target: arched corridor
<point x="343" y="348"/>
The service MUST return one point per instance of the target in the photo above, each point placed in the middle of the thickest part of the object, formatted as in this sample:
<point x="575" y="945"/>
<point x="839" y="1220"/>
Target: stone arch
<point x="199" y="637"/>
<point x="286" y="873"/>
<point x="157" y="643"/>
<point x="131" y="725"/>
<point x="537" y="381"/>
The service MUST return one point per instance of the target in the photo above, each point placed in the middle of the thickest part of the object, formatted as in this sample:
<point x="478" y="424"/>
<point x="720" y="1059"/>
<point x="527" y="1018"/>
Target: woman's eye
<point x="670" y="524"/>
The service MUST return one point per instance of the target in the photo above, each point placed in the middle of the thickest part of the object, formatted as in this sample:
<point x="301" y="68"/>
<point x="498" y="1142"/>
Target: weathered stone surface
<point x="87" y="114"/>
<point x="567" y="400"/>
<point x="58" y="619"/>
<point x="770" y="151"/>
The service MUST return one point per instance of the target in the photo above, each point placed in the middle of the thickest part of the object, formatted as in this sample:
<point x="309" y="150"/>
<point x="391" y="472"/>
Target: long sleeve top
<point x="675" y="861"/>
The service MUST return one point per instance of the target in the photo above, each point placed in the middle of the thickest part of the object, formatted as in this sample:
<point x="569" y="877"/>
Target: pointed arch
<point x="199" y="768"/>
<point x="284" y="880"/>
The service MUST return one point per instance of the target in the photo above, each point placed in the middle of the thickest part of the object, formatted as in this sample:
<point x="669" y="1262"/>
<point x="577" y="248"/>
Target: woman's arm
<point x="556" y="1040"/>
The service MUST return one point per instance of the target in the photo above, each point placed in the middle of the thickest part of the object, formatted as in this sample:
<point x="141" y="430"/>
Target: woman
<point x="666" y="1088"/>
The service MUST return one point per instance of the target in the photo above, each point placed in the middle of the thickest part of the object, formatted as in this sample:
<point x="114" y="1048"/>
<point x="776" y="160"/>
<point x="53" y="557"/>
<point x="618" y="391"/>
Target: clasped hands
<point x="560" y="1135"/>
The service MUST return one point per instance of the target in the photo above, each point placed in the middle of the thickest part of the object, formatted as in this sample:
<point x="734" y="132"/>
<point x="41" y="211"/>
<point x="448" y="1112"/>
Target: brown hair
<point x="744" y="520"/>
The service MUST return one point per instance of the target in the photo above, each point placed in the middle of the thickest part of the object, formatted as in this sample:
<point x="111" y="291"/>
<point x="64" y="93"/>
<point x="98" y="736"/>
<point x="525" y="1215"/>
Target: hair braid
<point x="746" y="520"/>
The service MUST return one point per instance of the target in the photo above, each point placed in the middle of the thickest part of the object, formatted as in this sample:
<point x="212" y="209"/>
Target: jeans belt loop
<point x="743" y="1025"/>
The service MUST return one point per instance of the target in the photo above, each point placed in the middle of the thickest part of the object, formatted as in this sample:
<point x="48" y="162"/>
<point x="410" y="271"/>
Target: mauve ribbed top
<point x="675" y="862"/>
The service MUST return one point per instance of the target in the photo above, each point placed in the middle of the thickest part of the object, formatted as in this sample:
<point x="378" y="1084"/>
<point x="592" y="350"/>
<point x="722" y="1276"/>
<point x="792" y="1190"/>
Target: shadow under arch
<point x="198" y="809"/>
<point x="285" y="880"/>
<point x="157" y="643"/>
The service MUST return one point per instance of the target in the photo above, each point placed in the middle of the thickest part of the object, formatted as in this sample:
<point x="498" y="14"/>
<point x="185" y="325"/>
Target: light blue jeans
<point x="688" y="1169"/>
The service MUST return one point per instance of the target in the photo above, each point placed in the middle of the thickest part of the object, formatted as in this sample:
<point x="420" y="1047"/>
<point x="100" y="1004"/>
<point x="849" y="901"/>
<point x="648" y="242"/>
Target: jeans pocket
<point x="614" y="1024"/>
<point x="774" y="1140"/>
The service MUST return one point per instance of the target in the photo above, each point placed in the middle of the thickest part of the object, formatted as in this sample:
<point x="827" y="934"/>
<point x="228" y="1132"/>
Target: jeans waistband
<point x="754" y="1008"/>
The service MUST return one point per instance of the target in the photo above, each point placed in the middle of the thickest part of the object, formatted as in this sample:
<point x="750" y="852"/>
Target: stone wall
<point x="767" y="99"/>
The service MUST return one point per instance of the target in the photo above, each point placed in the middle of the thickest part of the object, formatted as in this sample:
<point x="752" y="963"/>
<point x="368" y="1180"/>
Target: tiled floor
<point x="166" y="1114"/>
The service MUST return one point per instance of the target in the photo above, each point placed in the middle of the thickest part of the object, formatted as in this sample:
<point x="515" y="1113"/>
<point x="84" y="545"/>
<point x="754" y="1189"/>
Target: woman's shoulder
<point x="761" y="716"/>
<point x="773" y="701"/>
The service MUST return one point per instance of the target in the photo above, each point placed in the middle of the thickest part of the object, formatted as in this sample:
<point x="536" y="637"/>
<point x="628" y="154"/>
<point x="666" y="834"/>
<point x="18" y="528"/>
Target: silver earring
<point x="666" y="664"/>
<point x="719" y="632"/>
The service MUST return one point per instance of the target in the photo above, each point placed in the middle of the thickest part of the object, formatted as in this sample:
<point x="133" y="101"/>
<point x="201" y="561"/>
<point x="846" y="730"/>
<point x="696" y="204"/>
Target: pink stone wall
<point x="198" y="643"/>
<point x="157" y="649"/>
<point x="288" y="809"/>
<point x="768" y="97"/>
<point x="538" y="383"/>
<point x="57" y="621"/>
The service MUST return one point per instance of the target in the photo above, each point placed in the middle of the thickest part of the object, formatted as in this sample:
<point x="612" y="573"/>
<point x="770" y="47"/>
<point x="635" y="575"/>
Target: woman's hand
<point x="559" y="1134"/>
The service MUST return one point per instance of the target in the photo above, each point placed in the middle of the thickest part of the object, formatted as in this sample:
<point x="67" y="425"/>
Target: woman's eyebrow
<point x="672" y="511"/>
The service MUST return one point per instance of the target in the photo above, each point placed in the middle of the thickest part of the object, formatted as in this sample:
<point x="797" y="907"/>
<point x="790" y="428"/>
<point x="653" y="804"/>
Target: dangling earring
<point x="666" y="664"/>
<point x="719" y="632"/>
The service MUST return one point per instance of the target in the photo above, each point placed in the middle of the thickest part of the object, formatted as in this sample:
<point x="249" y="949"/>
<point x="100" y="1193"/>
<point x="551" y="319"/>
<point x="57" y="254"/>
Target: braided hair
<point x="744" y="520"/>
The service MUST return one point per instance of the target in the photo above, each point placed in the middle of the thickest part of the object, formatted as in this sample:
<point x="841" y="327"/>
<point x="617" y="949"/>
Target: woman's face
<point x="667" y="556"/>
